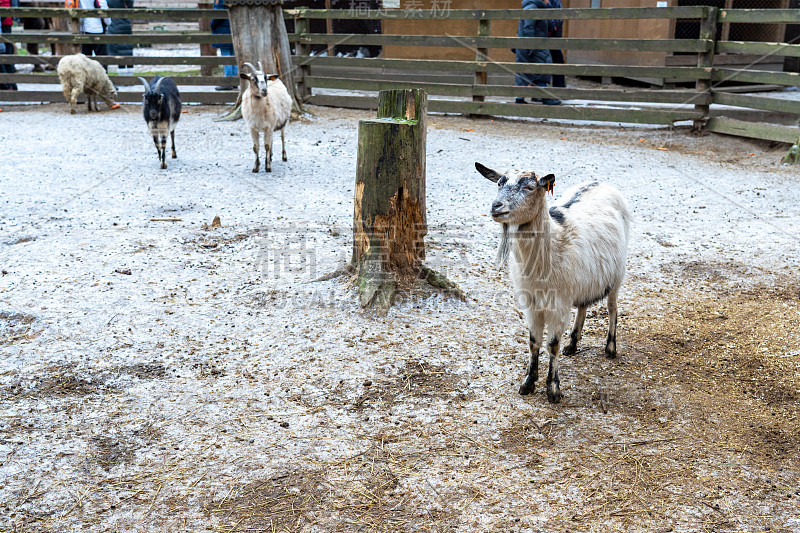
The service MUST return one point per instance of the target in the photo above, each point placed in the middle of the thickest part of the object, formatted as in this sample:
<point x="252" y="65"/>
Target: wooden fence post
<point x="708" y="31"/>
<point x="205" y="48"/>
<point x="482" y="55"/>
<point x="303" y="50"/>
<point x="75" y="29"/>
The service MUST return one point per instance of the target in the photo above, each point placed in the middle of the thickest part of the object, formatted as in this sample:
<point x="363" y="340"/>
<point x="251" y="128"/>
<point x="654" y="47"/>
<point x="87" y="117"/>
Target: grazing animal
<point x="266" y="106"/>
<point x="162" y="110"/>
<point x="78" y="74"/>
<point x="572" y="255"/>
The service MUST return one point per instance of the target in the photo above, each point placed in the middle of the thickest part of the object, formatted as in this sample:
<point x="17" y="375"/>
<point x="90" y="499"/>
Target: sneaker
<point x="226" y="88"/>
<point x="520" y="101"/>
<point x="551" y="101"/>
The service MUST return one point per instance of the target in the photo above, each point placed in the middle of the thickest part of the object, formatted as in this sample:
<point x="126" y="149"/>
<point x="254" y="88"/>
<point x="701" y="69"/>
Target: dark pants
<point x="98" y="49"/>
<point x="8" y="48"/>
<point x="558" y="57"/>
<point x="532" y="56"/>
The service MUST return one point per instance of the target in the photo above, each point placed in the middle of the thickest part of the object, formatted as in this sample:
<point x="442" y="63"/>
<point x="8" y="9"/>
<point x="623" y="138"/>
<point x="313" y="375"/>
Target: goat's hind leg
<point x="611" y="340"/>
<point x="535" y="332"/>
<point x="575" y="335"/>
<point x="553" y="382"/>
<point x="172" y="136"/>
<point x="283" y="144"/>
<point x="254" y="134"/>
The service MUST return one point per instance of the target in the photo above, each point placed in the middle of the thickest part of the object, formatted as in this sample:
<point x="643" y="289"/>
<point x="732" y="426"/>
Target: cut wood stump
<point x="389" y="220"/>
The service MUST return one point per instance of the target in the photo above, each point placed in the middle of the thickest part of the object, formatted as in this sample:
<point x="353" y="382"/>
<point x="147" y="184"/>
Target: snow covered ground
<point x="163" y="376"/>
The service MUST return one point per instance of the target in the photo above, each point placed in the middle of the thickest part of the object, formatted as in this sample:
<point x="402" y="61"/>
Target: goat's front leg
<point x="575" y="335"/>
<point x="254" y="134"/>
<point x="268" y="146"/>
<point x="73" y="100"/>
<point x="283" y="144"/>
<point x="535" y="332"/>
<point x="172" y="136"/>
<point x="88" y="100"/>
<point x="611" y="340"/>
<point x="163" y="150"/>
<point x="158" y="146"/>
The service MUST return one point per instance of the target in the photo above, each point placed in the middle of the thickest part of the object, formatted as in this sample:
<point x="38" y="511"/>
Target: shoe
<point x="38" y="68"/>
<point x="551" y="101"/>
<point x="226" y="88"/>
<point x="520" y="101"/>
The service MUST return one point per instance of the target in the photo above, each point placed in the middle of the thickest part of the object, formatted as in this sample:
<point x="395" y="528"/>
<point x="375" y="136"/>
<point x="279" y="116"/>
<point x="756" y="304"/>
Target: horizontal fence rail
<point x="480" y="86"/>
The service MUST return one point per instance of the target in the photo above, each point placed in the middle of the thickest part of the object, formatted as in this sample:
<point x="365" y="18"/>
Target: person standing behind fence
<point x="534" y="28"/>
<point x="94" y="26"/>
<point x="556" y="29"/>
<point x="7" y="46"/>
<point x="223" y="27"/>
<point x="121" y="27"/>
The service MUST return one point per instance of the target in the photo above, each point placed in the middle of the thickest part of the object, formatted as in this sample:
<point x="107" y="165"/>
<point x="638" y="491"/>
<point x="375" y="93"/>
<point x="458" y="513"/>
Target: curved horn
<point x="158" y="84"/>
<point x="252" y="68"/>
<point x="146" y="85"/>
<point x="260" y="67"/>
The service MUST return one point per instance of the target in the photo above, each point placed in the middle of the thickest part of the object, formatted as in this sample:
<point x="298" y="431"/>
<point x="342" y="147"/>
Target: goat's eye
<point x="529" y="186"/>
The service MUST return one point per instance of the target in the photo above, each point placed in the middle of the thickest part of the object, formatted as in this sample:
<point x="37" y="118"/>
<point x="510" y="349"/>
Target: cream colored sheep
<point x="79" y="74"/>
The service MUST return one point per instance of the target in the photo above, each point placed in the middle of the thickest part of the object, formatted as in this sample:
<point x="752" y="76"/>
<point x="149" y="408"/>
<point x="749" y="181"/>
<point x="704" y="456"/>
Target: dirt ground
<point x="169" y="376"/>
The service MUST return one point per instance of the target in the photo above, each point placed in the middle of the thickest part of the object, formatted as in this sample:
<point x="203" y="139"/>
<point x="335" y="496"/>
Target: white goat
<point x="266" y="106"/>
<point x="570" y="256"/>
<point x="77" y="74"/>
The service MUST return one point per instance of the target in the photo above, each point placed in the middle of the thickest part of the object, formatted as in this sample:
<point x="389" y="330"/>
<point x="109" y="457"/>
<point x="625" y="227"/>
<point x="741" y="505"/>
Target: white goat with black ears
<point x="572" y="255"/>
<point x="266" y="106"/>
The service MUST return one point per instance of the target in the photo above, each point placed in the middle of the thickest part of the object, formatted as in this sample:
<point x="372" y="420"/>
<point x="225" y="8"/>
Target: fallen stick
<point x="165" y="219"/>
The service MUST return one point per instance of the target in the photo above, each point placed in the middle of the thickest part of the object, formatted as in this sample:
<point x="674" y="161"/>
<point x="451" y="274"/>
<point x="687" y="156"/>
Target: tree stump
<point x="389" y="222"/>
<point x="259" y="34"/>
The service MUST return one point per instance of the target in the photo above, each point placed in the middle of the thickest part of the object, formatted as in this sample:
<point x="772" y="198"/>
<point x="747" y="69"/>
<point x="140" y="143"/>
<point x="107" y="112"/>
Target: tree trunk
<point x="259" y="34"/>
<point x="389" y="220"/>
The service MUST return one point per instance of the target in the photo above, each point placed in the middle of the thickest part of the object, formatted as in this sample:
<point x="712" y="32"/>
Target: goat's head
<point x="257" y="78"/>
<point x="153" y="99"/>
<point x="521" y="194"/>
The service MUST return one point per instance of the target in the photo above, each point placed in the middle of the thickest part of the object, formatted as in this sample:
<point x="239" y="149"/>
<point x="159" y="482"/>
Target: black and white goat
<point x="572" y="255"/>
<point x="162" y="110"/>
<point x="266" y="106"/>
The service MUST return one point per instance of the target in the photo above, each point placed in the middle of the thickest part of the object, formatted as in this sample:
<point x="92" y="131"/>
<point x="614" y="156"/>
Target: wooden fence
<point x="480" y="86"/>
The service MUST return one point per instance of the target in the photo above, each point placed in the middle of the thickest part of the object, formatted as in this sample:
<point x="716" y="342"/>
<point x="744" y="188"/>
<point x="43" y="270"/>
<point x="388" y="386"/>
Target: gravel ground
<point x="167" y="376"/>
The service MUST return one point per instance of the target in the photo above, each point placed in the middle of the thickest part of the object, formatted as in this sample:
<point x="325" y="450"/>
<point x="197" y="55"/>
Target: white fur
<point x="266" y="114"/>
<point x="77" y="74"/>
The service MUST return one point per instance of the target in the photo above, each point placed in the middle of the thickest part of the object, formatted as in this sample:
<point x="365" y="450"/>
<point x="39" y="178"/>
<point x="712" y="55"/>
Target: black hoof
<point x="268" y="169"/>
<point x="255" y="169"/>
<point x="611" y="354"/>
<point x="569" y="349"/>
<point x="163" y="166"/>
<point x="174" y="156"/>
<point x="554" y="396"/>
<point x="528" y="386"/>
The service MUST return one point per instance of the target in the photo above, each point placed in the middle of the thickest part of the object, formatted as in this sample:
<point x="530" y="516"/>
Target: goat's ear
<point x="548" y="183"/>
<point x="244" y="76"/>
<point x="273" y="77"/>
<point x="488" y="173"/>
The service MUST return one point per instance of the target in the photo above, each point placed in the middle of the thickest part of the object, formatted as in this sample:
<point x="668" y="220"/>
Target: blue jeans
<point x="227" y="50"/>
